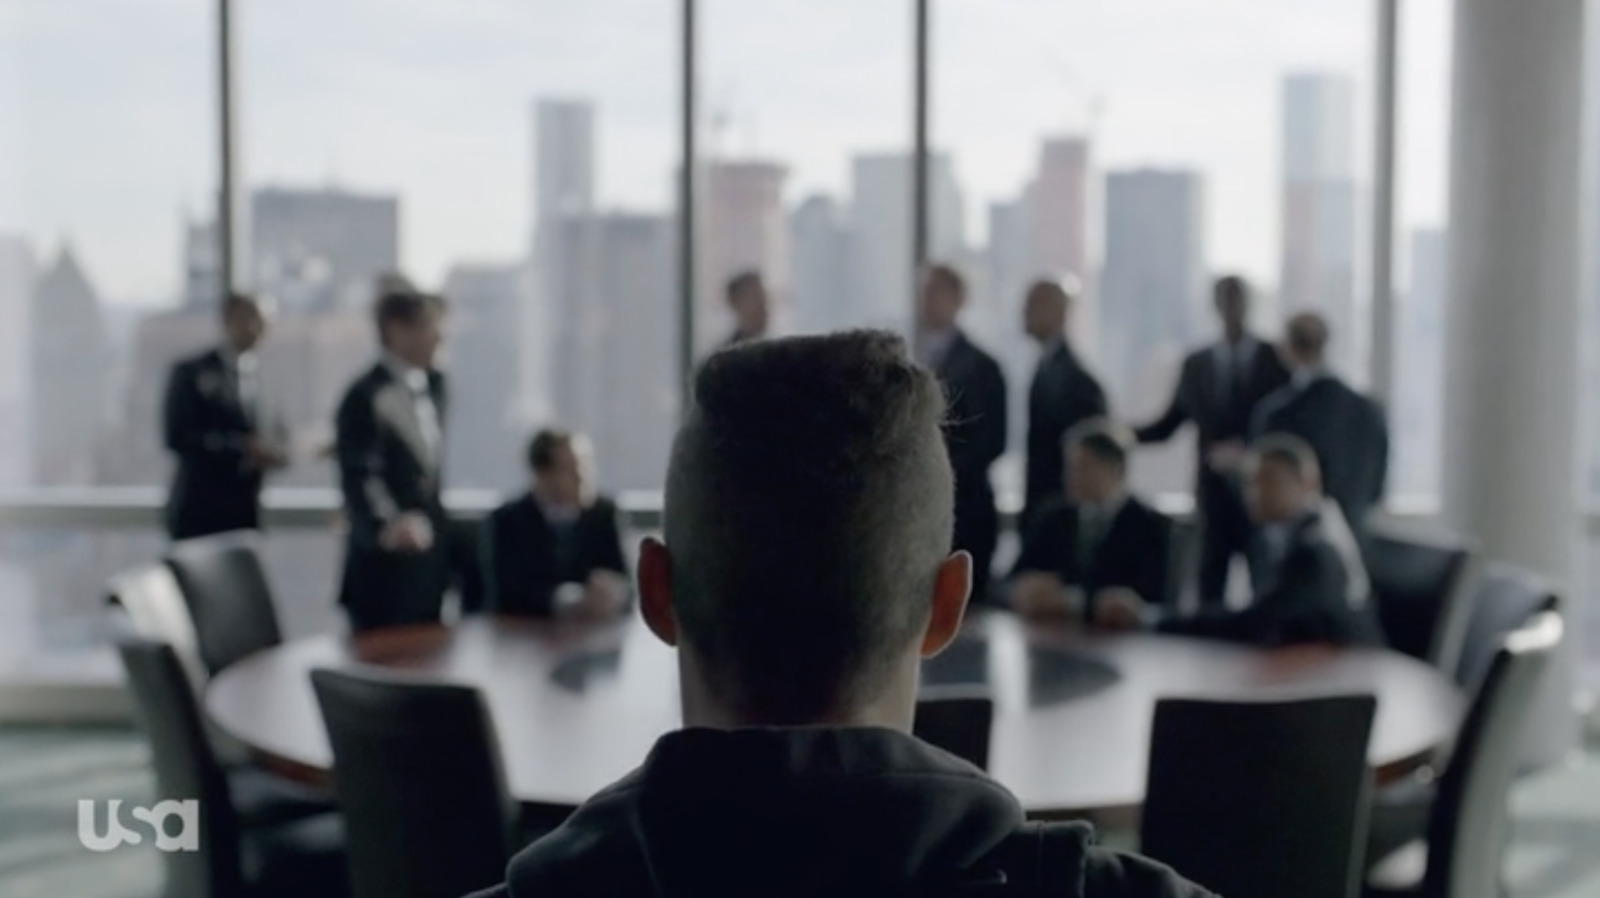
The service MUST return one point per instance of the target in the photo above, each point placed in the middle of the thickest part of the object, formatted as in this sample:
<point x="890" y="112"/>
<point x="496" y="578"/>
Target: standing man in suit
<point x="390" y="440"/>
<point x="1218" y="391"/>
<point x="214" y="424"/>
<point x="975" y="433"/>
<point x="556" y="550"/>
<point x="1346" y="429"/>
<point x="1311" y="585"/>
<point x="1101" y="544"/>
<point x="1062" y="396"/>
<point x="747" y="300"/>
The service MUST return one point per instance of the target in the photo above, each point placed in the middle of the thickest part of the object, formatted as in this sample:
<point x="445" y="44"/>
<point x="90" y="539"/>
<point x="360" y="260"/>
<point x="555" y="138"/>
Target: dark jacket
<point x="207" y="429"/>
<point x="524" y="561"/>
<point x="1063" y="395"/>
<point x="811" y="812"/>
<point x="1134" y="552"/>
<point x="976" y="438"/>
<point x="1348" y="432"/>
<point x="1218" y="415"/>
<point x="1317" y="592"/>
<point x="385" y="469"/>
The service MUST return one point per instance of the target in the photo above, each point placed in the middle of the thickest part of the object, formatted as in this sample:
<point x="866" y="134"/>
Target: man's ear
<point x="655" y="590"/>
<point x="951" y="587"/>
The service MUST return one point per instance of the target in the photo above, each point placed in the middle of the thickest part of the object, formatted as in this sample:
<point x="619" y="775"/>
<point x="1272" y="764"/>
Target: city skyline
<point x="425" y="104"/>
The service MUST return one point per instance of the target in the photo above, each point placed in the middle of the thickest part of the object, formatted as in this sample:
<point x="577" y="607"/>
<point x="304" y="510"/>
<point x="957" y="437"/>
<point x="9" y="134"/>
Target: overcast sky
<point x="106" y="105"/>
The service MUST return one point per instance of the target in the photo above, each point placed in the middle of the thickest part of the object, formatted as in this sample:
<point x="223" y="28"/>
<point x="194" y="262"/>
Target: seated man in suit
<point x="803" y="574"/>
<point x="555" y="550"/>
<point x="1312" y="586"/>
<point x="1101" y="544"/>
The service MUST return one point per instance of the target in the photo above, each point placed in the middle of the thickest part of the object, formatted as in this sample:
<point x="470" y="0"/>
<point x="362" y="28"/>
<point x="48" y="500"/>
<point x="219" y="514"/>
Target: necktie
<point x="1091" y="530"/>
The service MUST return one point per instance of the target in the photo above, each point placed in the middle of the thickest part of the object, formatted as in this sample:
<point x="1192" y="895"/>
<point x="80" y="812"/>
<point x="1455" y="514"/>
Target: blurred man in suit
<point x="1218" y="391"/>
<point x="557" y="549"/>
<point x="1347" y="429"/>
<point x="1063" y="393"/>
<point x="390" y="441"/>
<point x="747" y="300"/>
<point x="1101" y="544"/>
<point x="1311" y="584"/>
<point x="215" y="425"/>
<point x="976" y="430"/>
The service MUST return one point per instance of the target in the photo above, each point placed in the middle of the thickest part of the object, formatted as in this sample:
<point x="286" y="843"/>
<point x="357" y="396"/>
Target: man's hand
<point x="409" y="532"/>
<point x="260" y="455"/>
<point x="1118" y="608"/>
<point x="1040" y="595"/>
<point x="1226" y="457"/>
<point x="604" y="595"/>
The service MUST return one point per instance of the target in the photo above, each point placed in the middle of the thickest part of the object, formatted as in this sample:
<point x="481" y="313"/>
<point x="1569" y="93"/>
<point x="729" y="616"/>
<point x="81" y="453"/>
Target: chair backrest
<point x="229" y="598"/>
<point x="1418" y="584"/>
<point x="1261" y="799"/>
<point x="1503" y="600"/>
<point x="185" y="769"/>
<point x="155" y="606"/>
<point x="419" y="776"/>
<point x="958" y="722"/>
<point x="1469" y="824"/>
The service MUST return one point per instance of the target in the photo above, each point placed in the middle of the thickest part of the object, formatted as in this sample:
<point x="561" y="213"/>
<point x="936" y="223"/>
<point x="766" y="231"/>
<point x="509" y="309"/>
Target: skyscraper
<point x="16" y="292"/>
<point x="1319" y="208"/>
<point x="1154" y="274"/>
<point x="1416" y="411"/>
<point x="202" y="265"/>
<point x="1061" y="197"/>
<point x="564" y="186"/>
<point x="743" y="229"/>
<point x="615" y="342"/>
<point x="322" y="249"/>
<point x="70" y="369"/>
<point x="880" y="221"/>
<point x="486" y="432"/>
<point x="821" y="245"/>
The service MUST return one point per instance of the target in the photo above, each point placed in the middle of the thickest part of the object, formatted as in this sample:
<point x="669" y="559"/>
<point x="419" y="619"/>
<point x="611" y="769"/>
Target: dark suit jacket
<point x="522" y="565"/>
<point x="1314" y="594"/>
<point x="1199" y="399"/>
<point x="1063" y="395"/>
<point x="1134" y="552"/>
<point x="207" y="429"/>
<point x="385" y="470"/>
<point x="975" y="437"/>
<point x="1348" y="432"/>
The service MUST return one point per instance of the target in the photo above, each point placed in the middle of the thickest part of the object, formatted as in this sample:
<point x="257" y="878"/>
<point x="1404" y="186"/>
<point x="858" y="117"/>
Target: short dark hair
<point x="1232" y="284"/>
<point x="808" y="507"/>
<point x="235" y="301"/>
<point x="404" y="307"/>
<point x="1307" y="334"/>
<point x="741" y="281"/>
<point x="1102" y="438"/>
<point x="949" y="275"/>
<point x="544" y="445"/>
<point x="1288" y="450"/>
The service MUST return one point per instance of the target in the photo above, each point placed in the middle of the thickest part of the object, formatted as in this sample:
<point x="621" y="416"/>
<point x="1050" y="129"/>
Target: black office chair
<point x="1468" y="830"/>
<point x="957" y="721"/>
<point x="1261" y="799"/>
<point x="237" y="857"/>
<point x="229" y="598"/>
<point x="422" y="786"/>
<point x="1419" y="584"/>
<point x="150" y="596"/>
<point x="1504" y="600"/>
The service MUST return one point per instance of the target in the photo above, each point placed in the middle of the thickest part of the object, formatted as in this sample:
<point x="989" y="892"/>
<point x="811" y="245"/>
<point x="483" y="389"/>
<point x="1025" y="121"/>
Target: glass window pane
<point x="805" y="162"/>
<point x="517" y="157"/>
<point x="106" y="149"/>
<point x="1145" y="147"/>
